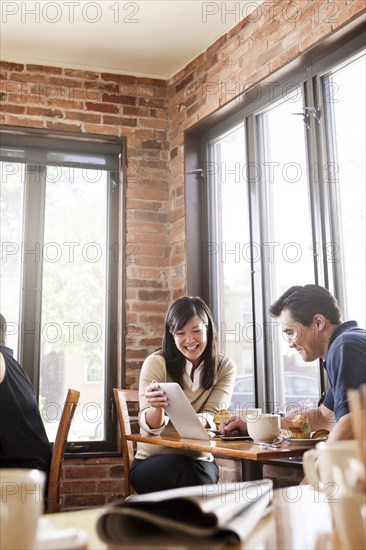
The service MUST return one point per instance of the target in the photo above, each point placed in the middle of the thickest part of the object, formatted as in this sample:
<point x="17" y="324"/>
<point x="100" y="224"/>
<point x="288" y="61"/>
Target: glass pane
<point x="233" y="255"/>
<point x="288" y="256"/>
<point x="74" y="298"/>
<point x="345" y="91"/>
<point x="11" y="230"/>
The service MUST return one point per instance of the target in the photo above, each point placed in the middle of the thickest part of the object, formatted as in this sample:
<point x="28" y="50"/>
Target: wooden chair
<point x="54" y="501"/>
<point x="122" y="397"/>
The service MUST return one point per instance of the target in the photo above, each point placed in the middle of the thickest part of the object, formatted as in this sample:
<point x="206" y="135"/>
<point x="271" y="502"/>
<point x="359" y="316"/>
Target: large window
<point x="59" y="272"/>
<point x="285" y="203"/>
<point x="344" y="92"/>
<point x="228" y="249"/>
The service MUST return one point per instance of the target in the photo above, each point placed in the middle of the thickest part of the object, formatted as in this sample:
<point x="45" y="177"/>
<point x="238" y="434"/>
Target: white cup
<point x="21" y="506"/>
<point x="318" y="463"/>
<point x="244" y="413"/>
<point x="349" y="519"/>
<point x="263" y="428"/>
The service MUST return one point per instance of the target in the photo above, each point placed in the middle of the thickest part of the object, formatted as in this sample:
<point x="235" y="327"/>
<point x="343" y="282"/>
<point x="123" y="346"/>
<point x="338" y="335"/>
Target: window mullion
<point x="319" y="200"/>
<point x="258" y="228"/>
<point x="214" y="239"/>
<point x="330" y="195"/>
<point x="317" y="174"/>
<point x="32" y="262"/>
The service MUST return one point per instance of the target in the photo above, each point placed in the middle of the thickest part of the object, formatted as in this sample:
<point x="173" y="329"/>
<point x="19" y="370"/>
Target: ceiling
<point x="143" y="38"/>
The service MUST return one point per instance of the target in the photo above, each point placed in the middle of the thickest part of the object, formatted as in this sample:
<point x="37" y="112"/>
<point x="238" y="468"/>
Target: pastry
<point x="320" y="434"/>
<point x="299" y="427"/>
<point x="221" y="415"/>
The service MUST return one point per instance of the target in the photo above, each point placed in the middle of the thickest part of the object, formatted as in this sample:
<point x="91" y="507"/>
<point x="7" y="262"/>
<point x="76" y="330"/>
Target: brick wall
<point x="153" y="115"/>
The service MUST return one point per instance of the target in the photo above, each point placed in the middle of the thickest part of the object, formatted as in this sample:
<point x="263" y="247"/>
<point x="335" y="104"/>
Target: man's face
<point x="305" y="339"/>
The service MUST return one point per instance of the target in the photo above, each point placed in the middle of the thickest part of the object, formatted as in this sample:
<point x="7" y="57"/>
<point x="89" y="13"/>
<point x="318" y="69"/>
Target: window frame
<point x="113" y="152"/>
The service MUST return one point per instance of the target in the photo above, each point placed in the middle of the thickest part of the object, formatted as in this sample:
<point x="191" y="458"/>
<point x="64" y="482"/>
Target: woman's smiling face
<point x="191" y="339"/>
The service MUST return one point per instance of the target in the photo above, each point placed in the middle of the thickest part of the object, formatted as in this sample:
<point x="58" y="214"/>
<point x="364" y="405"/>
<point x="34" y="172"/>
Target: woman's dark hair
<point x="179" y="313"/>
<point x="303" y="302"/>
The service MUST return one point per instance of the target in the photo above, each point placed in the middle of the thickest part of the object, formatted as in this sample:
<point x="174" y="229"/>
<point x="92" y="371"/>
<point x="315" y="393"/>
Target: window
<point x="228" y="248"/>
<point x="285" y="203"/>
<point x="344" y="102"/>
<point x="59" y="228"/>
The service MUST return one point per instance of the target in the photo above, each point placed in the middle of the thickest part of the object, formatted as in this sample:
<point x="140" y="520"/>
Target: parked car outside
<point x="301" y="391"/>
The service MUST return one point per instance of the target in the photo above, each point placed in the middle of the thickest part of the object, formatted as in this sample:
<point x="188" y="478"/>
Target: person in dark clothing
<point x="311" y="321"/>
<point x="23" y="438"/>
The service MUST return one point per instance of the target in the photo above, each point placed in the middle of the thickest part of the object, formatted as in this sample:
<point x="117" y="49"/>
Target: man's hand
<point x="233" y="426"/>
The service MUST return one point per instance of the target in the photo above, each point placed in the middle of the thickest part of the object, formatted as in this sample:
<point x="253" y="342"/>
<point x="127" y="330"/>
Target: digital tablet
<point x="181" y="413"/>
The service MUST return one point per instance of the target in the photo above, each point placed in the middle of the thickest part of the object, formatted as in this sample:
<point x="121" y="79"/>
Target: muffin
<point x="299" y="428"/>
<point x="220" y="416"/>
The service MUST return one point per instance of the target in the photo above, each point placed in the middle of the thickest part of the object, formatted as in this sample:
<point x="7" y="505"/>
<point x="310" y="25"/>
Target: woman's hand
<point x="157" y="400"/>
<point x="233" y="426"/>
<point x="155" y="396"/>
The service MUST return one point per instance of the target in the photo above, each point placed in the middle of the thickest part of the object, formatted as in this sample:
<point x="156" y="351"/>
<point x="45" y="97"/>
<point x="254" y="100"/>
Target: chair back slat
<point x="54" y="502"/>
<point x="122" y="397"/>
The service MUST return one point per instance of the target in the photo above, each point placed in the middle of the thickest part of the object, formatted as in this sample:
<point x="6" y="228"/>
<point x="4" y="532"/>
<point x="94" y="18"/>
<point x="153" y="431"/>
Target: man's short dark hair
<point x="303" y="302"/>
<point x="3" y="329"/>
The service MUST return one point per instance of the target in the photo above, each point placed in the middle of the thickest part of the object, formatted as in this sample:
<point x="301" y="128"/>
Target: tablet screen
<point x="181" y="413"/>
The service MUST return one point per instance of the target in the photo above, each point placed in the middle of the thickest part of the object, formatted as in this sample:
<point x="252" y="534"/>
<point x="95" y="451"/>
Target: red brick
<point x="15" y="109"/>
<point x="43" y="69"/>
<point x="7" y="66"/>
<point x="122" y="99"/>
<point x="21" y="121"/>
<point x="102" y="107"/>
<point x="120" y="121"/>
<point x="86" y="75"/>
<point x="63" y="126"/>
<point x="50" y="113"/>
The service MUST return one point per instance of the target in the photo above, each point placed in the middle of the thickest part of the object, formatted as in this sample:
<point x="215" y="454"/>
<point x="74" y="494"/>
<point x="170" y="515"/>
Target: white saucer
<point x="51" y="537"/>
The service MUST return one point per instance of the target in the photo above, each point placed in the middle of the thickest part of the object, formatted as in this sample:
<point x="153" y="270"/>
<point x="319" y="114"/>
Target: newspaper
<point x="216" y="516"/>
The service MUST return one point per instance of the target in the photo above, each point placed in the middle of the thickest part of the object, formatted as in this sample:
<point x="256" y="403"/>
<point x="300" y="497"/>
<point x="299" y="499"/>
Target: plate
<point x="309" y="442"/>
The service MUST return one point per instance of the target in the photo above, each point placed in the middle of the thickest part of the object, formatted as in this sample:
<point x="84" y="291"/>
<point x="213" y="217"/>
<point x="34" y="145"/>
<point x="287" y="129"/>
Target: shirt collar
<point x="338" y="331"/>
<point x="195" y="383"/>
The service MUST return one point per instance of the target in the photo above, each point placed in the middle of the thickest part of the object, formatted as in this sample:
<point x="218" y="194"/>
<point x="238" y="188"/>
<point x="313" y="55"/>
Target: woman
<point x="189" y="356"/>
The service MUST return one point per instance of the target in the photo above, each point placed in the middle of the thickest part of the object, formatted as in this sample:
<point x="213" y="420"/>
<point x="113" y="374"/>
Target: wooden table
<point x="299" y="519"/>
<point x="251" y="454"/>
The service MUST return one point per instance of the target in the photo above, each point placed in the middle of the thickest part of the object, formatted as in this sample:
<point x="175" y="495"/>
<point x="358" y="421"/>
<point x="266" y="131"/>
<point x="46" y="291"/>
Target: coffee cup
<point x="263" y="428"/>
<point x="349" y="519"/>
<point x="319" y="463"/>
<point x="244" y="413"/>
<point x="21" y="506"/>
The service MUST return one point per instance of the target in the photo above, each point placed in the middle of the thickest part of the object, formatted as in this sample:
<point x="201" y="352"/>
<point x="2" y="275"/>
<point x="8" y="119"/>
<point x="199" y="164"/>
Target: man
<point x="311" y="320"/>
<point x="23" y="439"/>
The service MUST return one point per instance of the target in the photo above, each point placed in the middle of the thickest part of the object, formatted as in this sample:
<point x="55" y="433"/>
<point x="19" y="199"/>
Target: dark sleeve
<point x="328" y="400"/>
<point x="347" y="370"/>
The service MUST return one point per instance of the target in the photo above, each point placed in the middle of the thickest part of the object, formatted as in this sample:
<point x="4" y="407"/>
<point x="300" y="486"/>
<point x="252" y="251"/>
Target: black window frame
<point x="36" y="148"/>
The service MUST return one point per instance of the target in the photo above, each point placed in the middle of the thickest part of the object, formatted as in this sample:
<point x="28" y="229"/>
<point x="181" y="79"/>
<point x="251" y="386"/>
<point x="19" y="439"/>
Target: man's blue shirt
<point x="345" y="365"/>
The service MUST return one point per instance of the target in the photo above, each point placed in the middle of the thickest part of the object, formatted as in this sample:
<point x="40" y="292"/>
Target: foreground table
<point x="298" y="520"/>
